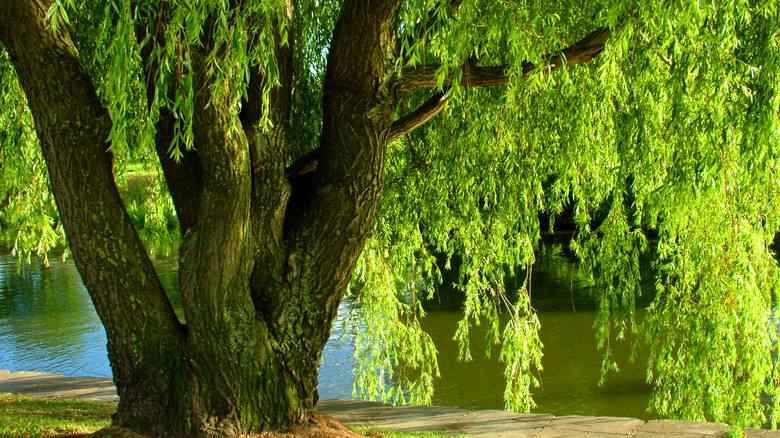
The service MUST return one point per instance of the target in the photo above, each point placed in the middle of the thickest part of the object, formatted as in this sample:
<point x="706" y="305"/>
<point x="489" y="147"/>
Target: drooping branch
<point x="584" y="50"/>
<point x="422" y="78"/>
<point x="183" y="177"/>
<point x="422" y="29"/>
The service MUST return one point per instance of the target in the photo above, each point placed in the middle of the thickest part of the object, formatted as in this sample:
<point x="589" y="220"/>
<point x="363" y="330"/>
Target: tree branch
<point x="280" y="97"/>
<point x="184" y="178"/>
<point x="303" y="165"/>
<point x="584" y="50"/>
<point x="330" y="218"/>
<point x="268" y="147"/>
<point x="420" y="116"/>
<point x="422" y="78"/>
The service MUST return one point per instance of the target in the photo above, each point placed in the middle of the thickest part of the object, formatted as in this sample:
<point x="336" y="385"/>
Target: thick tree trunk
<point x="144" y="334"/>
<point x="264" y="263"/>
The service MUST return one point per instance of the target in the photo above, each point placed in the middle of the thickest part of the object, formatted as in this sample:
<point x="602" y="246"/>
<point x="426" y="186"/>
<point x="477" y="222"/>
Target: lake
<point x="48" y="324"/>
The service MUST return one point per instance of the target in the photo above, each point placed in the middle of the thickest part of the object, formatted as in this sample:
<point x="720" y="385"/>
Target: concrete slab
<point x="420" y="419"/>
<point x="447" y="420"/>
<point x="85" y="388"/>
<point x="26" y="382"/>
<point x="500" y="424"/>
<point x="761" y="433"/>
<point x="641" y="434"/>
<point x="568" y="433"/>
<point x="351" y="412"/>
<point x="619" y="426"/>
<point x="679" y="428"/>
<point x="54" y="385"/>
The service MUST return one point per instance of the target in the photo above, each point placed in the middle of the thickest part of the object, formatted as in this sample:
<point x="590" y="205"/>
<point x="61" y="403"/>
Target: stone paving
<point x="487" y="423"/>
<point x="54" y="385"/>
<point x="446" y="420"/>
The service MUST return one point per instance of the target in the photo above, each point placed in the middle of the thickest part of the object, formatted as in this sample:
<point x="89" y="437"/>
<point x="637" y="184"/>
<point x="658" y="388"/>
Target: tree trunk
<point x="144" y="334"/>
<point x="264" y="262"/>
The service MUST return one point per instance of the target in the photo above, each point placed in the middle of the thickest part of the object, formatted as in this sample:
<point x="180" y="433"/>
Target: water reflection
<point x="48" y="324"/>
<point x="566" y="308"/>
<point x="569" y="382"/>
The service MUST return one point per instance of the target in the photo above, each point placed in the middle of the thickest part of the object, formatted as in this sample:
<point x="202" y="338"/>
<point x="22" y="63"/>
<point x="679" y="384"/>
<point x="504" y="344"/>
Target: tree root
<point x="316" y="425"/>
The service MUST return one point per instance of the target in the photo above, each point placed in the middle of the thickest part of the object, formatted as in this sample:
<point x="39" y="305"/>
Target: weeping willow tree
<point x="305" y="144"/>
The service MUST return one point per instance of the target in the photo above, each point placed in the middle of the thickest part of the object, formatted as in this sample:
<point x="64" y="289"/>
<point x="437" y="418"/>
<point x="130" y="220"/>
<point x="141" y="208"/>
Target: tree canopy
<point x="654" y="123"/>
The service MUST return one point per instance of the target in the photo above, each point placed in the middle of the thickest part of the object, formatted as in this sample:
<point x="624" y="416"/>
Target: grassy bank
<point x="28" y="417"/>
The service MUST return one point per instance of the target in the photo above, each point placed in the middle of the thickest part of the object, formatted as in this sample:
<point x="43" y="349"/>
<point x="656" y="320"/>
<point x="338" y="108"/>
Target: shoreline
<point x="447" y="420"/>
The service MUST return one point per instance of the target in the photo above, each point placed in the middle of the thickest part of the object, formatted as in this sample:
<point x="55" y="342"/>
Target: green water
<point x="571" y="364"/>
<point x="569" y="381"/>
<point x="48" y="324"/>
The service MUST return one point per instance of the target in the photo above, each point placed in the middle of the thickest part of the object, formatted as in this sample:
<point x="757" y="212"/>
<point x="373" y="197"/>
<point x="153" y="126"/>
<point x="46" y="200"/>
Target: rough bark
<point x="585" y="50"/>
<point x="269" y="147"/>
<point x="335" y="214"/>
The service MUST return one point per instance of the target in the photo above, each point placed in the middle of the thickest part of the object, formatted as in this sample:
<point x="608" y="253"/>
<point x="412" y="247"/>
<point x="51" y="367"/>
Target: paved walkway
<point x="447" y="420"/>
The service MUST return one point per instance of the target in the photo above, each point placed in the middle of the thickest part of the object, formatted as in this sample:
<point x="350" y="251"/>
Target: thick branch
<point x="184" y="178"/>
<point x="422" y="78"/>
<point x="584" y="50"/>
<point x="268" y="149"/>
<point x="279" y="96"/>
<point x="212" y="271"/>
<point x="331" y="216"/>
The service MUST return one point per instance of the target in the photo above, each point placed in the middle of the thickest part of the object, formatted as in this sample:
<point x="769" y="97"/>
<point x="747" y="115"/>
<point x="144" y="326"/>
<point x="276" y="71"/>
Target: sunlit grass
<point x="392" y="434"/>
<point x="27" y="417"/>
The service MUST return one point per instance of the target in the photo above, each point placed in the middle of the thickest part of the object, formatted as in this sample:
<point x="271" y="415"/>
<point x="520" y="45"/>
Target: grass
<point x="392" y="434"/>
<point x="26" y="417"/>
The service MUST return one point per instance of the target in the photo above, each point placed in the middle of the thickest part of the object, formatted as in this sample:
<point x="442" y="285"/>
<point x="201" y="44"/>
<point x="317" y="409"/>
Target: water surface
<point x="48" y="324"/>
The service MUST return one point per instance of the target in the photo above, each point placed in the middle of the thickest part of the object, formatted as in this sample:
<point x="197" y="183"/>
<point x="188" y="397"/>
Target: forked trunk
<point x="263" y="385"/>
